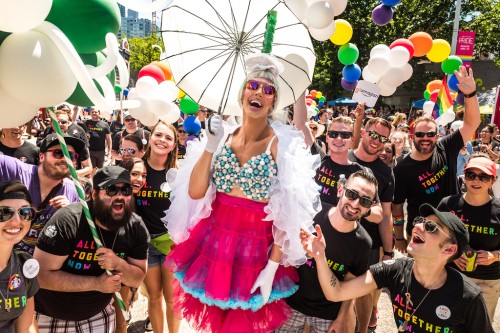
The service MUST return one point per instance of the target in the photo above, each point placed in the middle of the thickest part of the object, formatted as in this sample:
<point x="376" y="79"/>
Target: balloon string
<point x="267" y="44"/>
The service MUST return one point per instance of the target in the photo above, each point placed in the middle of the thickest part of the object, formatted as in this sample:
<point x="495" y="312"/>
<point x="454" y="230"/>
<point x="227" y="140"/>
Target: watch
<point x="472" y="94"/>
<point x="389" y="253"/>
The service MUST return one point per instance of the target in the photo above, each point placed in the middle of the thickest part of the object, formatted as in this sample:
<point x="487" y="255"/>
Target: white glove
<point x="214" y="126"/>
<point x="265" y="280"/>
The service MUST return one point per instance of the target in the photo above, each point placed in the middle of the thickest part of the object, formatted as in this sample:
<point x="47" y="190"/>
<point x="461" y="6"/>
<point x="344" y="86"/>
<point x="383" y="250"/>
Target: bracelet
<point x="399" y="221"/>
<point x="472" y="94"/>
<point x="389" y="253"/>
<point x="400" y="239"/>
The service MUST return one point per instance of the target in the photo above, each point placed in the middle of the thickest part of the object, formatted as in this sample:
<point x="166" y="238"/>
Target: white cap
<point x="456" y="125"/>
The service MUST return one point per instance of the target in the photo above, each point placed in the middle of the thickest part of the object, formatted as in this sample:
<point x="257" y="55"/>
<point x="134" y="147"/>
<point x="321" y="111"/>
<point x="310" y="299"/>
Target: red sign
<point x="465" y="46"/>
<point x="496" y="109"/>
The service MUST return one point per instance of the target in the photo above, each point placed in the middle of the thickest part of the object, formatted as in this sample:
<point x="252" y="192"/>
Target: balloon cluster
<point x="383" y="13"/>
<point x="156" y="93"/>
<point x="312" y="105"/>
<point x="46" y="58"/>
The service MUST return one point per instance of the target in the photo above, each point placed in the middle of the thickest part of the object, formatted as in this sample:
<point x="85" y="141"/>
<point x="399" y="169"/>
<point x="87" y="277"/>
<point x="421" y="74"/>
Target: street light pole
<point x="456" y="24"/>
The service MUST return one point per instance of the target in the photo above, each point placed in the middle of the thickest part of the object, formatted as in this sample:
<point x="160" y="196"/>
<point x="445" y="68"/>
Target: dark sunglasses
<point x="429" y="226"/>
<point x="25" y="213"/>
<point x="364" y="201"/>
<point x="62" y="122"/>
<point x="181" y="131"/>
<point x="268" y="89"/>
<point x="430" y="134"/>
<point x="58" y="153"/>
<point x="469" y="175"/>
<point x="313" y="128"/>
<point x="342" y="134"/>
<point x="129" y="119"/>
<point x="113" y="190"/>
<point x="374" y="135"/>
<point x="131" y="151"/>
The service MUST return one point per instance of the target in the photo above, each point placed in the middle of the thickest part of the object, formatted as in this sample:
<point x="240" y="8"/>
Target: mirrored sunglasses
<point x="374" y="135"/>
<point x="25" y="213"/>
<point x="130" y="151"/>
<point x="268" y="89"/>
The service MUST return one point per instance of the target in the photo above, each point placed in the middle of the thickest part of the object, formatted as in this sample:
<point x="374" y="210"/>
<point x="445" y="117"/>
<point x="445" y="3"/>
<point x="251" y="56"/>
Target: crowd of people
<point x="252" y="226"/>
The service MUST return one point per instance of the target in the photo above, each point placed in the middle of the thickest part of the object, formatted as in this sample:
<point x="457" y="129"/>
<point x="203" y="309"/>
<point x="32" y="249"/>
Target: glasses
<point x="129" y="119"/>
<point x="181" y="131"/>
<point x="113" y="190"/>
<point x="313" y="128"/>
<point x="58" y="154"/>
<point x="364" y="201"/>
<point x="25" y="213"/>
<point x="374" y="135"/>
<point x="429" y="226"/>
<point x="130" y="151"/>
<point x="62" y="122"/>
<point x="342" y="134"/>
<point x="268" y="89"/>
<point x="471" y="176"/>
<point x="397" y="140"/>
<point x="430" y="134"/>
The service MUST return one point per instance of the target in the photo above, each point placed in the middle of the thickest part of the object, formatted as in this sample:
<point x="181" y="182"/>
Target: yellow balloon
<point x="319" y="94"/>
<point x="181" y="94"/>
<point x="440" y="50"/>
<point x="343" y="32"/>
<point x="313" y="103"/>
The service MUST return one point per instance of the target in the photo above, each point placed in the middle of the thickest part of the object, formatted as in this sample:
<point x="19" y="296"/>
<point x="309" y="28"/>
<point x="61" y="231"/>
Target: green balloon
<point x="348" y="54"/>
<point x="86" y="22"/>
<point x="451" y="64"/>
<point x="188" y="106"/>
<point x="79" y="97"/>
<point x="427" y="95"/>
<point x="3" y="35"/>
<point x="322" y="99"/>
<point x="118" y="89"/>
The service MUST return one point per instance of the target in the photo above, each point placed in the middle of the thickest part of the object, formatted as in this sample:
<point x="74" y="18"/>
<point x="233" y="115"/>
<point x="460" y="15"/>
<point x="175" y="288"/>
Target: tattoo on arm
<point x="333" y="280"/>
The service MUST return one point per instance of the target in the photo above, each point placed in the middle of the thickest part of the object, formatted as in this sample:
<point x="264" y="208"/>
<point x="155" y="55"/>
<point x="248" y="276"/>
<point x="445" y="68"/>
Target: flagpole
<point x="456" y="26"/>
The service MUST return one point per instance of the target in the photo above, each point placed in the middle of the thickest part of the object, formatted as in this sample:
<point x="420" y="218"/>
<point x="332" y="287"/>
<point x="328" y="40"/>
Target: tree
<point x="142" y="52"/>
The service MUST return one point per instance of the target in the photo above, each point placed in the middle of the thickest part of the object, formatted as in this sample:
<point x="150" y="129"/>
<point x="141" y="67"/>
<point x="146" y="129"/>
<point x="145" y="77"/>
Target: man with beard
<point x="347" y="255"/>
<point x="428" y="173"/>
<point x="48" y="183"/>
<point x="75" y="290"/>
<point x="14" y="145"/>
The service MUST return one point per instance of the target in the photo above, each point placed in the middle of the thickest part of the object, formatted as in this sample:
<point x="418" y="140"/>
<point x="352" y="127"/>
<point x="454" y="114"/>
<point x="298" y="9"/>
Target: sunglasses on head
<point x="129" y="119"/>
<point x="336" y="134"/>
<point x="268" y="89"/>
<point x="25" y="213"/>
<point x="429" y="134"/>
<point x="113" y="190"/>
<point x="364" y="201"/>
<point x="429" y="226"/>
<point x="471" y="176"/>
<point x="374" y="135"/>
<point x="58" y="153"/>
<point x="131" y="151"/>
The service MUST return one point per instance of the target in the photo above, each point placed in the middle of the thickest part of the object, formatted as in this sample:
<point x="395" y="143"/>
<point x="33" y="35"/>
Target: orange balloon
<point x="422" y="42"/>
<point x="313" y="93"/>
<point x="165" y="68"/>
<point x="433" y="85"/>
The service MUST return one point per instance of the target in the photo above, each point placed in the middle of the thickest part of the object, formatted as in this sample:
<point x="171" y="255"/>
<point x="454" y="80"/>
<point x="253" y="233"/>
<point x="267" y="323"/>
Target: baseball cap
<point x="484" y="164"/>
<point x="126" y="114"/>
<point x="110" y="175"/>
<point x="452" y="222"/>
<point x="52" y="140"/>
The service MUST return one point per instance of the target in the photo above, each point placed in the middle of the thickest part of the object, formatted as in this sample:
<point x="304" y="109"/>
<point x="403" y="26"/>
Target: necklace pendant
<point x="7" y="307"/>
<point x="403" y="326"/>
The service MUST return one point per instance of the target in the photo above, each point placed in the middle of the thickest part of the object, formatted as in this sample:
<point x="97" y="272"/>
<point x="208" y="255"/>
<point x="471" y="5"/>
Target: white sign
<point x="366" y="92"/>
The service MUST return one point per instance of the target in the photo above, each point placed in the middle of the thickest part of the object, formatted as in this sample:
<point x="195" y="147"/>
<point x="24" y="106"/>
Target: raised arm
<point x="359" y="112"/>
<point x="467" y="86"/>
<point x="300" y="119"/>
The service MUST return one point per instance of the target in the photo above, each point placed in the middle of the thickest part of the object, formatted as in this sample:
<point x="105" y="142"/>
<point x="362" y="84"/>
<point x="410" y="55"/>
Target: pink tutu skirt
<point x="217" y="265"/>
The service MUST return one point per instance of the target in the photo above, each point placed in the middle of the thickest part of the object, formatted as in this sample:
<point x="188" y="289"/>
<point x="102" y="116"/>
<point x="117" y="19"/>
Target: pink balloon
<point x="405" y="43"/>
<point x="434" y="95"/>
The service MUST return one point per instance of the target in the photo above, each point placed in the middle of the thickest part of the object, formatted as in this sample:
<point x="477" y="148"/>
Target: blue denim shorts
<point x="155" y="257"/>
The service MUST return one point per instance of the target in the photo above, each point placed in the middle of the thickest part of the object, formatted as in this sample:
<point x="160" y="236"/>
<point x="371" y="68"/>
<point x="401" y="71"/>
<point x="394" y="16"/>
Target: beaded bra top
<point x="253" y="178"/>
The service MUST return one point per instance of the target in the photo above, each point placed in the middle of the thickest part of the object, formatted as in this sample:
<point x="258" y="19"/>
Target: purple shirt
<point x="12" y="169"/>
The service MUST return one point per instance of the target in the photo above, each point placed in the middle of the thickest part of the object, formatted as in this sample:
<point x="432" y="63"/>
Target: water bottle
<point x="341" y="182"/>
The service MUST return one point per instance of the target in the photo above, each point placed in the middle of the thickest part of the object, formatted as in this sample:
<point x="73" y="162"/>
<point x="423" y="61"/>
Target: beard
<point x="422" y="150"/>
<point x="369" y="149"/>
<point x="54" y="173"/>
<point x="346" y="215"/>
<point x="104" y="213"/>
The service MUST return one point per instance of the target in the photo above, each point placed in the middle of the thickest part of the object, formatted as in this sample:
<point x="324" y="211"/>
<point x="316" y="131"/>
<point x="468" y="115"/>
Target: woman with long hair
<point x="399" y="118"/>
<point x="239" y="201"/>
<point x="400" y="141"/>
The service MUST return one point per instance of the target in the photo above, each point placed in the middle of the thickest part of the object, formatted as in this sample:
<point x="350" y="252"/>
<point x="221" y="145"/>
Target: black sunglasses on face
<point x="268" y="89"/>
<point x="364" y="201"/>
<point x="430" y="134"/>
<point x="129" y="119"/>
<point x="131" y="151"/>
<point x="113" y="190"/>
<point x="374" y="135"/>
<point x="313" y="128"/>
<point x="429" y="226"/>
<point x="181" y="131"/>
<point x="25" y="213"/>
<point x="342" y="134"/>
<point x="62" y="122"/>
<point x="471" y="176"/>
<point x="58" y="153"/>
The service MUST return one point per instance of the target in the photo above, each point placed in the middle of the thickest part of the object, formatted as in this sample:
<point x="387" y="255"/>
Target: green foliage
<point x="142" y="52"/>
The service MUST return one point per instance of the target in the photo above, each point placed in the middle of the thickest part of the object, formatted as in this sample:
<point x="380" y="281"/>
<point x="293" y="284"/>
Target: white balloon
<point x="369" y="76"/>
<point x="149" y="119"/>
<point x="378" y="64"/>
<point x="159" y="107"/>
<point x="446" y="117"/>
<point x="386" y="89"/>
<point x="23" y="15"/>
<point x="173" y="115"/>
<point x="298" y="7"/>
<point x="399" y="56"/>
<point x="393" y="77"/>
<point x="34" y="70"/>
<point x="319" y="15"/>
<point x="168" y="91"/>
<point x="339" y="6"/>
<point x="146" y="86"/>
<point x="112" y="55"/>
<point x="322" y="34"/>
<point x="380" y="49"/>
<point x="428" y="107"/>
<point x="15" y="112"/>
<point x="407" y="72"/>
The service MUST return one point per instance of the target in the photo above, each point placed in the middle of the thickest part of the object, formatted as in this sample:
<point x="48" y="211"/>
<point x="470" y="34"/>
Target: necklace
<point x="102" y="238"/>
<point x="6" y="306"/>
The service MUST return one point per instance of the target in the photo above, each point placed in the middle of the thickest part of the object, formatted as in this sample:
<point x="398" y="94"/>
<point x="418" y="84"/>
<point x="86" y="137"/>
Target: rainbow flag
<point x="443" y="101"/>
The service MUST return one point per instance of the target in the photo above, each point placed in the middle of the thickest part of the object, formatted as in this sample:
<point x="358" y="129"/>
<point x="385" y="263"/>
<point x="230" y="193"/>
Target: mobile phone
<point x="471" y="256"/>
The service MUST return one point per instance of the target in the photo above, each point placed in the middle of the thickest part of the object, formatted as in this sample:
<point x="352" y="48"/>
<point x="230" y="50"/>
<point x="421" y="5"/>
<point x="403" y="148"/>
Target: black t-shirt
<point x="68" y="234"/>
<point x="77" y="132"/>
<point x="430" y="180"/>
<point x="477" y="142"/>
<point x="151" y="202"/>
<point x="27" y="152"/>
<point x="385" y="180"/>
<point x="483" y="223"/>
<point x="457" y="306"/>
<point x="98" y="131"/>
<point x="345" y="252"/>
<point x="181" y="151"/>
<point x="327" y="176"/>
<point x="117" y="138"/>
<point x="115" y="127"/>
<point x="20" y="289"/>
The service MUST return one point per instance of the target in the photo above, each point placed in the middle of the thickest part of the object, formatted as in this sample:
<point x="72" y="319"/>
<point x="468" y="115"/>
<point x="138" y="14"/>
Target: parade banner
<point x="465" y="47"/>
<point x="495" y="119"/>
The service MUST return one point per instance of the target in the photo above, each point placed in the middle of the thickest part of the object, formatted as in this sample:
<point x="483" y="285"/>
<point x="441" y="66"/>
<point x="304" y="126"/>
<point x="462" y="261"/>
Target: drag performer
<point x="239" y="202"/>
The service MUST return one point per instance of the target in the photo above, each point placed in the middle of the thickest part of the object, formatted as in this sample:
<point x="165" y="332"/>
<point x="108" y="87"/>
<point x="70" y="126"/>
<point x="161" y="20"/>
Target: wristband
<point x="398" y="221"/>
<point x="389" y="253"/>
<point x="400" y="239"/>
<point x="472" y="94"/>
